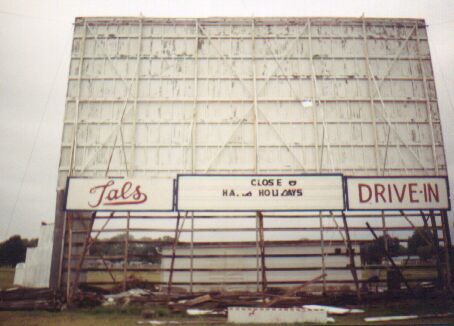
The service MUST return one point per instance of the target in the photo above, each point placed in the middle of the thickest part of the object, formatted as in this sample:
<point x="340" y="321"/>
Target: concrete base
<point x="243" y="315"/>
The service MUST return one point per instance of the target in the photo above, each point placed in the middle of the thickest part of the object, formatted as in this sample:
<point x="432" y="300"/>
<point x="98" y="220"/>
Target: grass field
<point x="6" y="277"/>
<point x="130" y="315"/>
<point x="111" y="316"/>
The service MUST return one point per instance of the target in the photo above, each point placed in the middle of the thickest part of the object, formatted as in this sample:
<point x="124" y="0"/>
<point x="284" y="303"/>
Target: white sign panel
<point x="120" y="194"/>
<point x="259" y="192"/>
<point x="397" y="193"/>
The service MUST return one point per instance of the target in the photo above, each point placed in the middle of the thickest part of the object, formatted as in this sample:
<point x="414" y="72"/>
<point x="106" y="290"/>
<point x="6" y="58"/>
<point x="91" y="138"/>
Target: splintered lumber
<point x="28" y="299"/>
<point x="198" y="300"/>
<point x="294" y="290"/>
<point x="26" y="294"/>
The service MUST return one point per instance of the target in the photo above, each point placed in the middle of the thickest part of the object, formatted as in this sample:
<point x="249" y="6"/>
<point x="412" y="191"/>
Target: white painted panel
<point x="397" y="193"/>
<point x="120" y="194"/>
<point x="260" y="193"/>
<point x="184" y="97"/>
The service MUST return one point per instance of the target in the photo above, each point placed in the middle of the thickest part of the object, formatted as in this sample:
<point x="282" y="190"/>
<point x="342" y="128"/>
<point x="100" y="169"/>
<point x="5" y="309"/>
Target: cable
<point x="46" y="107"/>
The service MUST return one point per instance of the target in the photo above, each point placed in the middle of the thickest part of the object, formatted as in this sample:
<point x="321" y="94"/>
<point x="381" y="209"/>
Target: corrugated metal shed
<point x="154" y="96"/>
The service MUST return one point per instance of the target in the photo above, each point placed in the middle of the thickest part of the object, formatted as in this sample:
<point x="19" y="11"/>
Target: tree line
<point x="145" y="249"/>
<point x="13" y="250"/>
<point x="420" y="244"/>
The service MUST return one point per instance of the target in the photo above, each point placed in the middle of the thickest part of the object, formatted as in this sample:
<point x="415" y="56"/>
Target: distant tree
<point x="12" y="251"/>
<point x="419" y="243"/>
<point x="146" y="252"/>
<point x="374" y="252"/>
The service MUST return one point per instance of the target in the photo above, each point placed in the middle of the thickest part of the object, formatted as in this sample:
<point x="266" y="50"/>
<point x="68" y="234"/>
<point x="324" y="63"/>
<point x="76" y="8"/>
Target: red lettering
<point x="379" y="190"/>
<point x="113" y="194"/>
<point x="103" y="190"/>
<point x="362" y="186"/>
<point x="400" y="196"/>
<point x="390" y="194"/>
<point x="412" y="191"/>
<point x="117" y="195"/>
<point x="433" y="192"/>
<point x="137" y="194"/>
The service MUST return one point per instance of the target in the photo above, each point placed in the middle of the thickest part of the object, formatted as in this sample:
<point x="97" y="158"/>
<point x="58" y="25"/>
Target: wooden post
<point x="172" y="262"/>
<point x="257" y="254"/>
<point x="262" y="252"/>
<point x="352" y="257"/>
<point x="385" y="235"/>
<point x="58" y="245"/>
<point x="433" y="221"/>
<point x="322" y="249"/>
<point x="126" y="254"/>
<point x="192" y="255"/>
<point x="446" y="251"/>
<point x="446" y="227"/>
<point x="69" y="259"/>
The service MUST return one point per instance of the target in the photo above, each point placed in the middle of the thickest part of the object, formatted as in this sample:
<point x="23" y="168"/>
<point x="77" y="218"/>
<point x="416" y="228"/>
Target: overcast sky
<point x="35" y="44"/>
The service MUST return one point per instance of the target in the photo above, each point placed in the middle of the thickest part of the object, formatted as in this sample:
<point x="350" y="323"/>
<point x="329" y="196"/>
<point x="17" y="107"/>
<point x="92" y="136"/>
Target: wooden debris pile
<point x="178" y="300"/>
<point x="29" y="299"/>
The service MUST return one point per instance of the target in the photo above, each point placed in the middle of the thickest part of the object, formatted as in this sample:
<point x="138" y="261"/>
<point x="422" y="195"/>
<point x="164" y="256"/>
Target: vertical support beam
<point x="322" y="243"/>
<point x="372" y="105"/>
<point x="126" y="254"/>
<point x="433" y="221"/>
<point x="194" y="108"/>
<point x="262" y="252"/>
<point x="256" y="118"/>
<point x="352" y="257"/>
<point x="257" y="253"/>
<point x="314" y="96"/>
<point x="385" y="234"/>
<point x="172" y="261"/>
<point x="447" y="251"/>
<point x="72" y="161"/>
<point x="192" y="254"/>
<point x="58" y="242"/>
<point x="134" y="114"/>
<point x="69" y="259"/>
<point x="444" y="216"/>
<point x="426" y="95"/>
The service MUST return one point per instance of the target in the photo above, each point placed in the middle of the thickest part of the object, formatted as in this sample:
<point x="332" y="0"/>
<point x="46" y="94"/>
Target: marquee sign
<point x="120" y="194"/>
<point x="260" y="192"/>
<point x="397" y="193"/>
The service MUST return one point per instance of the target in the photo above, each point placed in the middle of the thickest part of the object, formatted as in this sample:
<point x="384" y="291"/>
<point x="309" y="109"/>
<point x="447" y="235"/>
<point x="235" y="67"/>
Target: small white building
<point x="35" y="272"/>
<point x="220" y="266"/>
